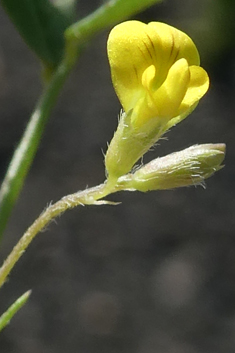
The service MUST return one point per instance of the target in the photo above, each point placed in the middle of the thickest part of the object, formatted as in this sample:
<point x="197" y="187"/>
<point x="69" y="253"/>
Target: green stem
<point x="110" y="13"/>
<point x="26" y="150"/>
<point x="12" y="310"/>
<point x="86" y="197"/>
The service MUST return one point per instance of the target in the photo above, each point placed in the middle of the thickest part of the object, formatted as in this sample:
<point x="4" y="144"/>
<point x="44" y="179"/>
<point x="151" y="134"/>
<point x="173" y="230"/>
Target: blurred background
<point x="155" y="274"/>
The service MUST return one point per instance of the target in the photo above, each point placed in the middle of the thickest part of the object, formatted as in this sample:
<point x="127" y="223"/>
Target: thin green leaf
<point x="41" y="25"/>
<point x="12" y="310"/>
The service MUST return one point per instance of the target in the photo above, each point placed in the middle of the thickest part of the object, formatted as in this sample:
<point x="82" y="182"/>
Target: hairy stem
<point x="86" y="197"/>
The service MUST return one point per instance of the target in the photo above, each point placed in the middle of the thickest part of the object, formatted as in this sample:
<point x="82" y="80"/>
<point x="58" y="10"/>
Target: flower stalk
<point x="81" y="198"/>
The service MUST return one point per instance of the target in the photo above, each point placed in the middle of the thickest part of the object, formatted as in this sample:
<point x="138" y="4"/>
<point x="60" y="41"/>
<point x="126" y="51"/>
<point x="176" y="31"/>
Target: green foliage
<point x="41" y="25"/>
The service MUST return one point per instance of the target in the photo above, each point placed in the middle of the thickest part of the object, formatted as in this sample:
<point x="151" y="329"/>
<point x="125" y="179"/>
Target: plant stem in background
<point x="26" y="150"/>
<point x="110" y="13"/>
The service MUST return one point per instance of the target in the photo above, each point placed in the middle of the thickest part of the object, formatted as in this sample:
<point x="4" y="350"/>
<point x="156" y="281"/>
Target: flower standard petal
<point x="172" y="45"/>
<point x="182" y="45"/>
<point x="128" y="58"/>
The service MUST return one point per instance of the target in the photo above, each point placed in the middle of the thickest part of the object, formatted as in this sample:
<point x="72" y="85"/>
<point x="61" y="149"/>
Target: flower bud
<point x="188" y="167"/>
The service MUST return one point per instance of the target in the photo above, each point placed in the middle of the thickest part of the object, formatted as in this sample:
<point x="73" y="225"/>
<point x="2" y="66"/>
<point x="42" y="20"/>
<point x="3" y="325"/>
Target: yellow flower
<point x="156" y="74"/>
<point x="155" y="71"/>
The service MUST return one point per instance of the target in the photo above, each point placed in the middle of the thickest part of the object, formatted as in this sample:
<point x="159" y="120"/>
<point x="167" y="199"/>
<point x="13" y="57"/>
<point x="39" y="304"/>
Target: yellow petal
<point x="134" y="46"/>
<point x="164" y="102"/>
<point x="171" y="46"/>
<point x="182" y="45"/>
<point x="128" y="57"/>
<point x="198" y="86"/>
<point x="148" y="77"/>
<point x="170" y="95"/>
